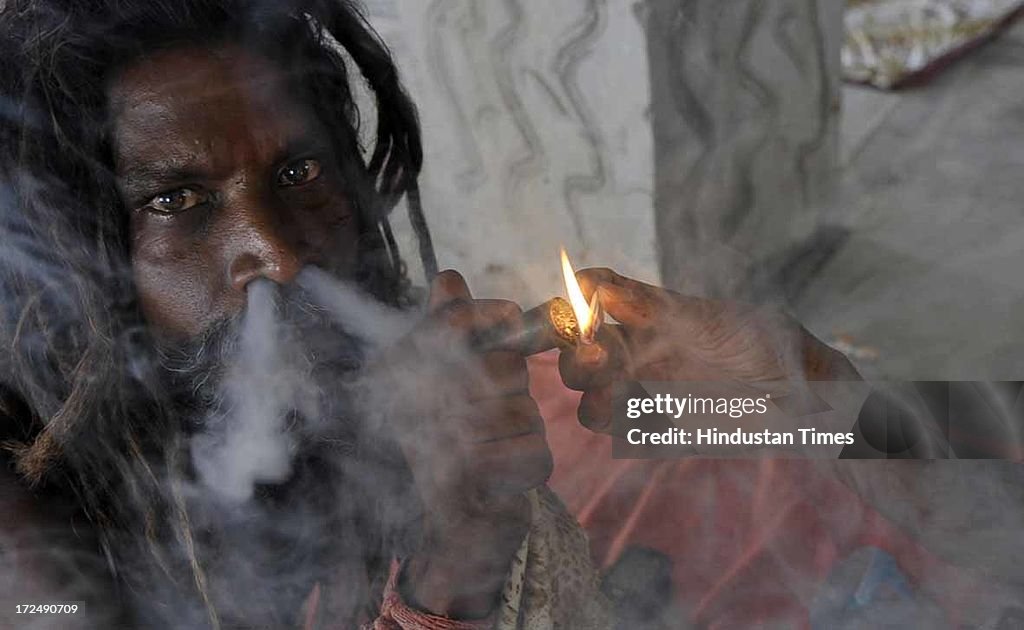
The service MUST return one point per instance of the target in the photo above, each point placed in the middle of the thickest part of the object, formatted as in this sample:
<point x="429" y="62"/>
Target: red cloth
<point x="750" y="540"/>
<point x="397" y="615"/>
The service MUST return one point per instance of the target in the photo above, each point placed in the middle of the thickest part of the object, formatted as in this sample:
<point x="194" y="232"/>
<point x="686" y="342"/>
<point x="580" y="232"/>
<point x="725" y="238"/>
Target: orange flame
<point x="588" y="316"/>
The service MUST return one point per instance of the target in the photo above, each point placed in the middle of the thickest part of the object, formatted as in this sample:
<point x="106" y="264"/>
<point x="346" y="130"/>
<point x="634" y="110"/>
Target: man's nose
<point x="265" y="248"/>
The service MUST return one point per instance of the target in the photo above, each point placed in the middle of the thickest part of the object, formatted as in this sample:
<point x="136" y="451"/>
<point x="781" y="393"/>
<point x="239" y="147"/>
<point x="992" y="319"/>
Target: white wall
<point x="536" y="134"/>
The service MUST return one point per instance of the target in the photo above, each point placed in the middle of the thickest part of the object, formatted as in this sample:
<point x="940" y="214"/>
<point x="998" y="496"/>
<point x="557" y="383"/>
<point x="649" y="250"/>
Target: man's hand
<point x="666" y="336"/>
<point x="474" y="440"/>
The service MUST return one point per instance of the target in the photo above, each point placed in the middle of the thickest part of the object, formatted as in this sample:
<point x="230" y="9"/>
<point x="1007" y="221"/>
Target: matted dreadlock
<point x="76" y="372"/>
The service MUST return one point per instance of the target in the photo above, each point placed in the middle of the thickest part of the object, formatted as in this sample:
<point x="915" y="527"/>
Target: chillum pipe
<point x="551" y="325"/>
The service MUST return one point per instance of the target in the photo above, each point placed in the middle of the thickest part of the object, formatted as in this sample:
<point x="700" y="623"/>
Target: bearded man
<point x="184" y="198"/>
<point x="164" y="162"/>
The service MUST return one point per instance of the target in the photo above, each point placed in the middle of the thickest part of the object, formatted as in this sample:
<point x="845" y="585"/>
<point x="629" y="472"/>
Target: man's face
<point x="228" y="178"/>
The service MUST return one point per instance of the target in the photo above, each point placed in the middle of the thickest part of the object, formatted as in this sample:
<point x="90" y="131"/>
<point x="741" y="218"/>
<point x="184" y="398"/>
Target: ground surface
<point x="931" y="272"/>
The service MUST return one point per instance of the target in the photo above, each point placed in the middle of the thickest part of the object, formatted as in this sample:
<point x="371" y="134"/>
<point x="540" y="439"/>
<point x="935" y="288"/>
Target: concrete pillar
<point x="745" y="109"/>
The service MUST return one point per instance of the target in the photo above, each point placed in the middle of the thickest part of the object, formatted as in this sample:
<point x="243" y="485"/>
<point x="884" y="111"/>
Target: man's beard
<point x="270" y="533"/>
<point x="276" y="373"/>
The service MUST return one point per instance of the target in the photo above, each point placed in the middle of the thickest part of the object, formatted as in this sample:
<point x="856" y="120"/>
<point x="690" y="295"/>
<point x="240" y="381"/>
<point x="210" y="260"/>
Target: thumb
<point x="628" y="307"/>
<point x="638" y="305"/>
<point x="630" y="302"/>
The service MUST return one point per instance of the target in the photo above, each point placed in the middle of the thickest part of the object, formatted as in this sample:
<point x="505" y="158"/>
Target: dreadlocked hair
<point x="75" y="356"/>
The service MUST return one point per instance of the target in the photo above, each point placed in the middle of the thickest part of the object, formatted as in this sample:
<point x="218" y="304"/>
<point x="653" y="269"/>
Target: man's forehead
<point x="203" y="73"/>
<point x="204" y="101"/>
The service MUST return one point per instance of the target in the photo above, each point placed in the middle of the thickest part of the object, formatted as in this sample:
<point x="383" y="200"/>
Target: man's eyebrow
<point x="165" y="173"/>
<point x="304" y="145"/>
<point x="158" y="174"/>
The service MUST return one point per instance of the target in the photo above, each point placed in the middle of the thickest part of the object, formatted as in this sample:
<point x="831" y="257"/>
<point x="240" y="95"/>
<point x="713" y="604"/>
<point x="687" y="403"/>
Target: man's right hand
<point x="474" y="441"/>
<point x="666" y="336"/>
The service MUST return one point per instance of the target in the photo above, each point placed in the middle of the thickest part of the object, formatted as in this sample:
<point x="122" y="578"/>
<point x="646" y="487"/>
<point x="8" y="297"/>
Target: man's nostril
<point x="244" y="269"/>
<point x="280" y="267"/>
<point x="265" y="252"/>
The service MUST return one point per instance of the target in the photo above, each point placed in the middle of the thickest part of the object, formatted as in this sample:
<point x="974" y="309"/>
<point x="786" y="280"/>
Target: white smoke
<point x="246" y="442"/>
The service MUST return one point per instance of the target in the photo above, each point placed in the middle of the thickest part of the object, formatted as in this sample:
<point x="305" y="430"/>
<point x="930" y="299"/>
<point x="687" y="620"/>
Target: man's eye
<point x="177" y="200"/>
<point x="299" y="172"/>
